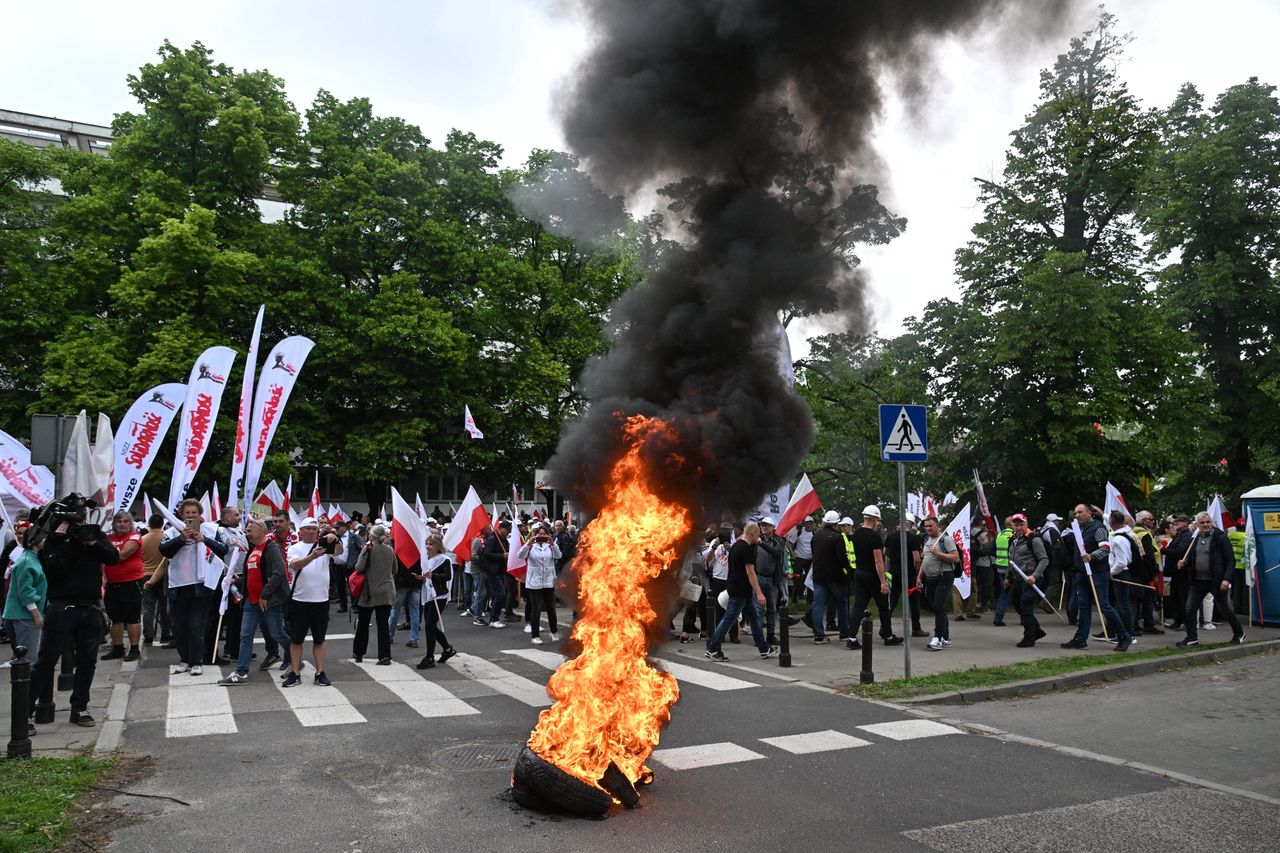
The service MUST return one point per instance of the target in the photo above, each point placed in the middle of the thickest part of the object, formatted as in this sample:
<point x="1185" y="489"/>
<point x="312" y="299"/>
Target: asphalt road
<point x="394" y="759"/>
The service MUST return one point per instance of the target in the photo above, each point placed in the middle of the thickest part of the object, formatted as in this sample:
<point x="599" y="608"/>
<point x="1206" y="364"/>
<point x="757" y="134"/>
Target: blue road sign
<point x="904" y="436"/>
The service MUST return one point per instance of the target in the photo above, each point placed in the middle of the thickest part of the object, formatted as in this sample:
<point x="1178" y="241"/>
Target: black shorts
<point x="307" y="616"/>
<point x="123" y="602"/>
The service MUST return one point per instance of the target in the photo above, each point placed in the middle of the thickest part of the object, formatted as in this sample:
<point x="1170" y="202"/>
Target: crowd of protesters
<point x="144" y="585"/>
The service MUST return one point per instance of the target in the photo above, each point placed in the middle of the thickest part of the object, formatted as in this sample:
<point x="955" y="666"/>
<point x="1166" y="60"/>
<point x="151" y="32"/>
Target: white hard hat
<point x="308" y="522"/>
<point x="911" y="518"/>
<point x="723" y="599"/>
<point x="846" y="520"/>
<point x="871" y="510"/>
<point x="831" y="517"/>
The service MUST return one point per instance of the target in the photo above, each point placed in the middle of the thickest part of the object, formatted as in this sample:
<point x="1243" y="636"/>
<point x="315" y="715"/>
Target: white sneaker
<point x="497" y="624"/>
<point x="182" y="667"/>
<point x="555" y="638"/>
<point x="1208" y="626"/>
<point x="6" y="665"/>
<point x="197" y="670"/>
<point x="946" y="644"/>
<point x="465" y="613"/>
<point x="935" y="645"/>
<point x="528" y="629"/>
<point x="537" y="641"/>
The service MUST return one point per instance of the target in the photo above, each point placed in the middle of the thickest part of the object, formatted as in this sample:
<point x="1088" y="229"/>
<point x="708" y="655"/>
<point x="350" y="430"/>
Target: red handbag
<point x="355" y="583"/>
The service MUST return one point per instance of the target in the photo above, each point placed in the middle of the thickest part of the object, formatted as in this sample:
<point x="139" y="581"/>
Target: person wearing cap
<point x="1172" y="553"/>
<point x="309" y="603"/>
<point x="869" y="582"/>
<point x="771" y="573"/>
<point x="830" y="573"/>
<point x="1028" y="562"/>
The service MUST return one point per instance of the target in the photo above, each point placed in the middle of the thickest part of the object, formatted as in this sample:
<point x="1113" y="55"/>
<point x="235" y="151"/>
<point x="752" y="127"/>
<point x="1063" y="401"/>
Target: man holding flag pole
<point x="1090" y="538"/>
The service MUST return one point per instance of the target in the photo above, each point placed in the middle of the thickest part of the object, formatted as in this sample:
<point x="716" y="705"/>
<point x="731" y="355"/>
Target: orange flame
<point x="610" y="703"/>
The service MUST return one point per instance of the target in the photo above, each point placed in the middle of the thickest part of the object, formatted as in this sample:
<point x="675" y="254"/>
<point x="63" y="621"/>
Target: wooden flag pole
<point x="1097" y="602"/>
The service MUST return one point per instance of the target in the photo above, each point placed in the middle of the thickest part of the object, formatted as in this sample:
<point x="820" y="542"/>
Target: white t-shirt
<point x="313" y="578"/>
<point x="190" y="565"/>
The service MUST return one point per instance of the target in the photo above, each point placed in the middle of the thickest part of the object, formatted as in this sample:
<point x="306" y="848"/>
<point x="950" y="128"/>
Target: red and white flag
<point x="382" y="512"/>
<point x="288" y="496"/>
<point x="1114" y="501"/>
<point x="469" y="520"/>
<point x="517" y="566"/>
<point x="469" y="423"/>
<point x="271" y="497"/>
<point x="417" y="506"/>
<point x="205" y="384"/>
<point x="141" y="433"/>
<point x="1218" y="512"/>
<point x="275" y="384"/>
<point x="315" y="509"/>
<point x="958" y="530"/>
<point x="408" y="532"/>
<point x="983" y="506"/>
<point x="804" y="502"/>
<point x="215" y="502"/>
<point x="240" y="450"/>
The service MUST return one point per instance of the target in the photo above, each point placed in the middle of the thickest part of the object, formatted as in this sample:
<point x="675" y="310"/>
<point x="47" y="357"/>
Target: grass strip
<point x="975" y="677"/>
<point x="36" y="795"/>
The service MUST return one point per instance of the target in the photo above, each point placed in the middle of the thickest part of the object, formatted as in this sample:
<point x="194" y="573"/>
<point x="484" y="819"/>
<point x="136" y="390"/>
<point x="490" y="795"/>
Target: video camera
<point x="82" y="516"/>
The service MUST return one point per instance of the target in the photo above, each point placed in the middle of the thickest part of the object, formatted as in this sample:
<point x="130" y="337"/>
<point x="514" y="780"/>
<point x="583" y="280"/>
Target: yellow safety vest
<point x="1237" y="545"/>
<point x="1002" y="547"/>
<point x="848" y="549"/>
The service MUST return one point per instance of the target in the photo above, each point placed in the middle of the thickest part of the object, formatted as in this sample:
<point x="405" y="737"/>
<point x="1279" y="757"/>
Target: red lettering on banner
<point x="146" y="431"/>
<point x="14" y="477"/>
<point x="270" y="411"/>
<point x="201" y="421"/>
<point x="239" y="448"/>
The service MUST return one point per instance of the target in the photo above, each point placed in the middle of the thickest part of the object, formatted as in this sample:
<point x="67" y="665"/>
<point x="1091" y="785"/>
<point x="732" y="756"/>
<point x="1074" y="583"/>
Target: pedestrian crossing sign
<point x="904" y="436"/>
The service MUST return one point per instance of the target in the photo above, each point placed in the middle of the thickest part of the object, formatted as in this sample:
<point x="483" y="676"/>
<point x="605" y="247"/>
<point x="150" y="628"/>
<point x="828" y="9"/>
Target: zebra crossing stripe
<point x="910" y="729"/>
<point x="825" y="741"/>
<point x="425" y="697"/>
<point x="544" y="659"/>
<point x="496" y="678"/>
<point x="198" y="706"/>
<point x="702" y="678"/>
<point x="314" y="705"/>
<point x="703" y="755"/>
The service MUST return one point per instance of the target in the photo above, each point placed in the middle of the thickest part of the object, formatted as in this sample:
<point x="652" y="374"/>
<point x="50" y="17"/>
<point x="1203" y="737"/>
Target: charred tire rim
<point x="540" y="785"/>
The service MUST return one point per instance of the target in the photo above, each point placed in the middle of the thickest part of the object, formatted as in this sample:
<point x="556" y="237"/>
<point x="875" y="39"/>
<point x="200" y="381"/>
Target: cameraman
<point x="73" y="555"/>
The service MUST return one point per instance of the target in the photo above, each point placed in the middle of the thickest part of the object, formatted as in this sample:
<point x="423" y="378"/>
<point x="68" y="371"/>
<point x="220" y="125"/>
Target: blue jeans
<point x="937" y="591"/>
<point x="1101" y="581"/>
<point x="491" y="590"/>
<point x="272" y="622"/>
<point x="410" y="598"/>
<point x="770" y="605"/>
<point x="23" y="632"/>
<point x="738" y="606"/>
<point x="822" y="593"/>
<point x="1002" y="600"/>
<point x="1025" y="599"/>
<point x="468" y="591"/>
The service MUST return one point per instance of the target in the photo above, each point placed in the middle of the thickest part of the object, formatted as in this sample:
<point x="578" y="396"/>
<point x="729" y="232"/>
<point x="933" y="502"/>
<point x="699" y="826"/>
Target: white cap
<point x="537" y="525"/>
<point x="911" y="518"/>
<point x="846" y="520"/>
<point x="831" y="517"/>
<point x="767" y="520"/>
<point x="308" y="522"/>
<point x="1053" y="516"/>
<point x="871" y="510"/>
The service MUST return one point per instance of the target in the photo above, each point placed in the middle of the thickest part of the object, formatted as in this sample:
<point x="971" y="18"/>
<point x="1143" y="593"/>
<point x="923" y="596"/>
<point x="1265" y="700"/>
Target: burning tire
<point x="537" y="784"/>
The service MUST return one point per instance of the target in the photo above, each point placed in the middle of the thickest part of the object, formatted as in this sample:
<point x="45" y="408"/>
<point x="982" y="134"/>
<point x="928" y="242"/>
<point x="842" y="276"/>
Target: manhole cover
<point x="479" y="757"/>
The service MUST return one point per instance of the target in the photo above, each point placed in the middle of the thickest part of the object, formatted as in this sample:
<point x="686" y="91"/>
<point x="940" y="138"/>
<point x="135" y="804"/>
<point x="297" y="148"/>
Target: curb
<point x="1071" y="680"/>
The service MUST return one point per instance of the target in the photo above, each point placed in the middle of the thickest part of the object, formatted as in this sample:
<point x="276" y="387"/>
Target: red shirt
<point x="252" y="574"/>
<point x="129" y="569"/>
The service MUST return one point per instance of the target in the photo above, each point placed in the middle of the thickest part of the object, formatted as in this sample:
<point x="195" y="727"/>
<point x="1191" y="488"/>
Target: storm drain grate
<point x="479" y="757"/>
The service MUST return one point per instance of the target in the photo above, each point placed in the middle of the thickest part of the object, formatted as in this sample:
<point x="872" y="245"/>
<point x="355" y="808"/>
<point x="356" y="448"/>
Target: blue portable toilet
<point x="1262" y="505"/>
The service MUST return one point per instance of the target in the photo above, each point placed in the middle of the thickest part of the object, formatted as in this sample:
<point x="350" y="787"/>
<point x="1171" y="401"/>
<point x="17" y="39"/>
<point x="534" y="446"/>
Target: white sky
<point x="492" y="66"/>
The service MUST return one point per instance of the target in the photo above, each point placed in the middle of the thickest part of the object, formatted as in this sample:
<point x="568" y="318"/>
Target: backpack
<point x="1143" y="564"/>
<point x="1060" y="555"/>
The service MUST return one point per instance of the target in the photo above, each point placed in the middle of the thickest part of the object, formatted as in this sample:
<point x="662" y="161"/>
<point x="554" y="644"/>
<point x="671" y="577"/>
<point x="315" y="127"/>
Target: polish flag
<point x="271" y="497"/>
<point x="1114" y="501"/>
<point x="1218" y="512"/>
<point x="469" y="423"/>
<point x="468" y="522"/>
<point x="206" y="508"/>
<point x="288" y="495"/>
<point x="216" y="506"/>
<point x="408" y="532"/>
<point x="315" y="509"/>
<point x="517" y="566"/>
<point x="417" y="506"/>
<point x="804" y="502"/>
<point x="382" y="512"/>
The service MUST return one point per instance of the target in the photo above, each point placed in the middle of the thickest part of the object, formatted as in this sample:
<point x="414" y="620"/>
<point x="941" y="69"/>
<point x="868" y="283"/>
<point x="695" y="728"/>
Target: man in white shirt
<point x="1120" y="559"/>
<point x="188" y="594"/>
<point x="309" y="562"/>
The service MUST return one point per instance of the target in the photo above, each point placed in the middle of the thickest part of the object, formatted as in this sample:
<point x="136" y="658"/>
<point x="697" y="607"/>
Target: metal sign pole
<point x="904" y="568"/>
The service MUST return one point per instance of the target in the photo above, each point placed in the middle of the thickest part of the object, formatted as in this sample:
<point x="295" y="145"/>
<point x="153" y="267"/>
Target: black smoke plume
<point x="754" y="117"/>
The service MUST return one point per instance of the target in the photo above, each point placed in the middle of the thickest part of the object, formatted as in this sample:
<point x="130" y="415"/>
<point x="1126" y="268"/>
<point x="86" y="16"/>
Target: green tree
<point x="1212" y="213"/>
<point x="1045" y="369"/>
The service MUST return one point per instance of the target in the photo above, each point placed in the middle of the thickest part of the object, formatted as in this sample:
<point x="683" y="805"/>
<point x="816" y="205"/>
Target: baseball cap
<point x="767" y="520"/>
<point x="1053" y="516"/>
<point x="831" y="517"/>
<point x="308" y="522"/>
<point x="1017" y="516"/>
<point x="871" y="510"/>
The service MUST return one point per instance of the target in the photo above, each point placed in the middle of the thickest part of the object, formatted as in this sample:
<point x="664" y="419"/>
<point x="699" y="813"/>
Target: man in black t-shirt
<point x="893" y="555"/>
<point x="869" y="583"/>
<point x="745" y="596"/>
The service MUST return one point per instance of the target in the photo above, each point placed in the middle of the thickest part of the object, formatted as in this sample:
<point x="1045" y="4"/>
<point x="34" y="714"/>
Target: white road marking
<point x="314" y="705"/>
<point x="825" y="741"/>
<point x="491" y="675"/>
<point x="545" y="659"/>
<point x="703" y="678"/>
<point x="705" y="755"/>
<point x="425" y="697"/>
<point x="198" y="706"/>
<point x="910" y="729"/>
<point x="260" y="641"/>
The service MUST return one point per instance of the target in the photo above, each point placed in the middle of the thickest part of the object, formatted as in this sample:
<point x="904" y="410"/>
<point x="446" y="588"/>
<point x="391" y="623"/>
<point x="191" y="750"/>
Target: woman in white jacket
<point x="541" y="552"/>
<point x="437" y="572"/>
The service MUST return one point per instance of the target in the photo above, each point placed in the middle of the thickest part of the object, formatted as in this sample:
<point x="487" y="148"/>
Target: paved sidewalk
<point x="60" y="738"/>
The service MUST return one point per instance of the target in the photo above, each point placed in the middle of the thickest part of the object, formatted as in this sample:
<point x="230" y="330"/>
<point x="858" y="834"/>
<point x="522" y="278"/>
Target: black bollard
<point x="784" y="641"/>
<point x="19" y="707"/>
<point x="866" y="676"/>
<point x="67" y="670"/>
<point x="709" y="619"/>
